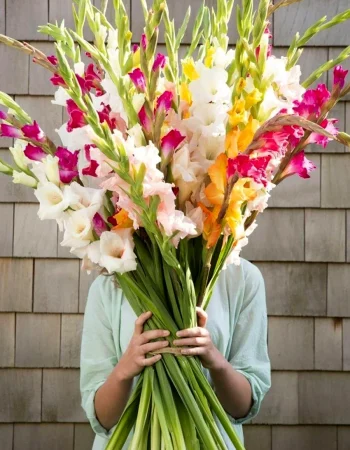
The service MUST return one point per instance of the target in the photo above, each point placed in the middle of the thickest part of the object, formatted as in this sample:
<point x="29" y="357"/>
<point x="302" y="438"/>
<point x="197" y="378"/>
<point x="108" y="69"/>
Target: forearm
<point x="232" y="388"/>
<point x="111" y="398"/>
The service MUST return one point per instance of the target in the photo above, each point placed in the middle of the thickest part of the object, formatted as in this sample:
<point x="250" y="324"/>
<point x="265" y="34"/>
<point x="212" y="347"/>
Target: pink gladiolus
<point x="10" y="131"/>
<point x="171" y="141"/>
<point x="313" y="101"/>
<point x="52" y="59"/>
<point x="328" y="125"/>
<point x="135" y="47"/>
<point x="159" y="62"/>
<point x="299" y="165"/>
<point x="145" y="120"/>
<point x="3" y="115"/>
<point x="34" y="153"/>
<point x="339" y="76"/>
<point x="57" y="80"/>
<point x="76" y="116"/>
<point x="99" y="224"/>
<point x="144" y="41"/>
<point x="67" y="164"/>
<point x="245" y="166"/>
<point x="33" y="132"/>
<point x="165" y="100"/>
<point x="138" y="78"/>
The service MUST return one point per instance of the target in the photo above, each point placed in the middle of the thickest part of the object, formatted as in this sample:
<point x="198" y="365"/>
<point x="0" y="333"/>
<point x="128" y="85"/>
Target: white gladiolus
<point x="75" y="139"/>
<point x="117" y="253"/>
<point x="78" y="230"/>
<point x="51" y="169"/>
<point x="53" y="201"/>
<point x="211" y="86"/>
<point x="61" y="97"/>
<point x="23" y="178"/>
<point x="79" y="68"/>
<point x="18" y="154"/>
<point x="87" y="198"/>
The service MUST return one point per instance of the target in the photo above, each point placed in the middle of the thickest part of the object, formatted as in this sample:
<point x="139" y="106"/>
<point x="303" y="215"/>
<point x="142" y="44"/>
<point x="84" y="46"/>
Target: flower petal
<point x="34" y="153"/>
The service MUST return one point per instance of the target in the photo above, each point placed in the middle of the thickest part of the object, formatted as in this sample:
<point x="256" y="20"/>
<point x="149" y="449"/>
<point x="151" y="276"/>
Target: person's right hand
<point x="134" y="359"/>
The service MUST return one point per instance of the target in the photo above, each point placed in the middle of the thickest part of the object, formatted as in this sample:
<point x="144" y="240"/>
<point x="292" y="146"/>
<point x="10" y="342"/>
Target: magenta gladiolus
<point x="76" y="116"/>
<point x="339" y="76"/>
<point x="159" y="62"/>
<point x="138" y="78"/>
<point x="57" y="80"/>
<point x="171" y="141"/>
<point x="299" y="165"/>
<point x="52" y="59"/>
<point x="144" y="41"/>
<point x="92" y="78"/>
<point x="68" y="162"/>
<point x="91" y="169"/>
<point x="165" y="100"/>
<point x="99" y="224"/>
<point x="34" y="153"/>
<point x="3" y="115"/>
<point x="145" y="120"/>
<point x="135" y="47"/>
<point x="34" y="132"/>
<point x="10" y="131"/>
<point x="245" y="166"/>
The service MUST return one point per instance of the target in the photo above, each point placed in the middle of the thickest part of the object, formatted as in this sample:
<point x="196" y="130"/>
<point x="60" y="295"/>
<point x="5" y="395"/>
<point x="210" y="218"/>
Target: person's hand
<point x="134" y="360"/>
<point x="199" y="343"/>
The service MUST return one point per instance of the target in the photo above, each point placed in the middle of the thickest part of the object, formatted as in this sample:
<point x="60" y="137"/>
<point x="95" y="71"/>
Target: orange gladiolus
<point x="123" y="220"/>
<point x="211" y="228"/>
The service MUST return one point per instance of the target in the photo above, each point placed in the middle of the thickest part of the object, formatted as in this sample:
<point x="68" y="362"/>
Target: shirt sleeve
<point x="249" y="354"/>
<point x="98" y="352"/>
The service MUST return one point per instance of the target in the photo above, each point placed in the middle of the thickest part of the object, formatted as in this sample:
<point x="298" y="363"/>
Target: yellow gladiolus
<point x="253" y="98"/>
<point x="189" y="69"/>
<point x="185" y="93"/>
<point x="136" y="61"/>
<point x="238" y="112"/>
<point x="208" y="61"/>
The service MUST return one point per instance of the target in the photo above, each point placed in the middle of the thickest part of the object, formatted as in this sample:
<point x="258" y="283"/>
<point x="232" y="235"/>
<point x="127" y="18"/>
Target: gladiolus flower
<point x="10" y="131"/>
<point x="3" y="115"/>
<point x="34" y="153"/>
<point x="138" y="78"/>
<point x="23" y="178"/>
<point x="99" y="224"/>
<point x="145" y="120"/>
<point x="67" y="164"/>
<point x="339" y="75"/>
<point x="117" y="251"/>
<point x="171" y="141"/>
<point x="144" y="41"/>
<point x="33" y="132"/>
<point x="53" y="201"/>
<point x="245" y="166"/>
<point x="57" y="80"/>
<point x="122" y="220"/>
<point x="299" y="165"/>
<point x="91" y="169"/>
<point x="76" y="116"/>
<point x="52" y="59"/>
<point x="164" y="101"/>
<point x="159" y="62"/>
<point x="135" y="47"/>
<point x="189" y="69"/>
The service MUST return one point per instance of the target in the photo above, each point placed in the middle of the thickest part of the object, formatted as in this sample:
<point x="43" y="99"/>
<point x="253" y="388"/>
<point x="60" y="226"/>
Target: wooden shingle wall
<point x="302" y="246"/>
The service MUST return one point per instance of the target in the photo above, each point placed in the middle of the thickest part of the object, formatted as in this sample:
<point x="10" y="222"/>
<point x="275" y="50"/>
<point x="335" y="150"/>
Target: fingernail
<point x="166" y="343"/>
<point x="175" y="342"/>
<point x="166" y="333"/>
<point x="184" y="352"/>
<point x="179" y="333"/>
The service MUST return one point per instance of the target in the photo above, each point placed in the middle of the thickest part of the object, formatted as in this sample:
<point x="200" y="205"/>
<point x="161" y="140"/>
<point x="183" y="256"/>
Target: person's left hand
<point x="199" y="343"/>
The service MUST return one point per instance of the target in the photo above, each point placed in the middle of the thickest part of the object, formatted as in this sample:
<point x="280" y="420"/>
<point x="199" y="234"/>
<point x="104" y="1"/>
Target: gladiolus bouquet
<point x="163" y="169"/>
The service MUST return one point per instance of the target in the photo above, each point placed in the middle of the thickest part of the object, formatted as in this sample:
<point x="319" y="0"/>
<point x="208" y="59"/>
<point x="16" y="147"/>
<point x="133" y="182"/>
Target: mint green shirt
<point x="236" y="320"/>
